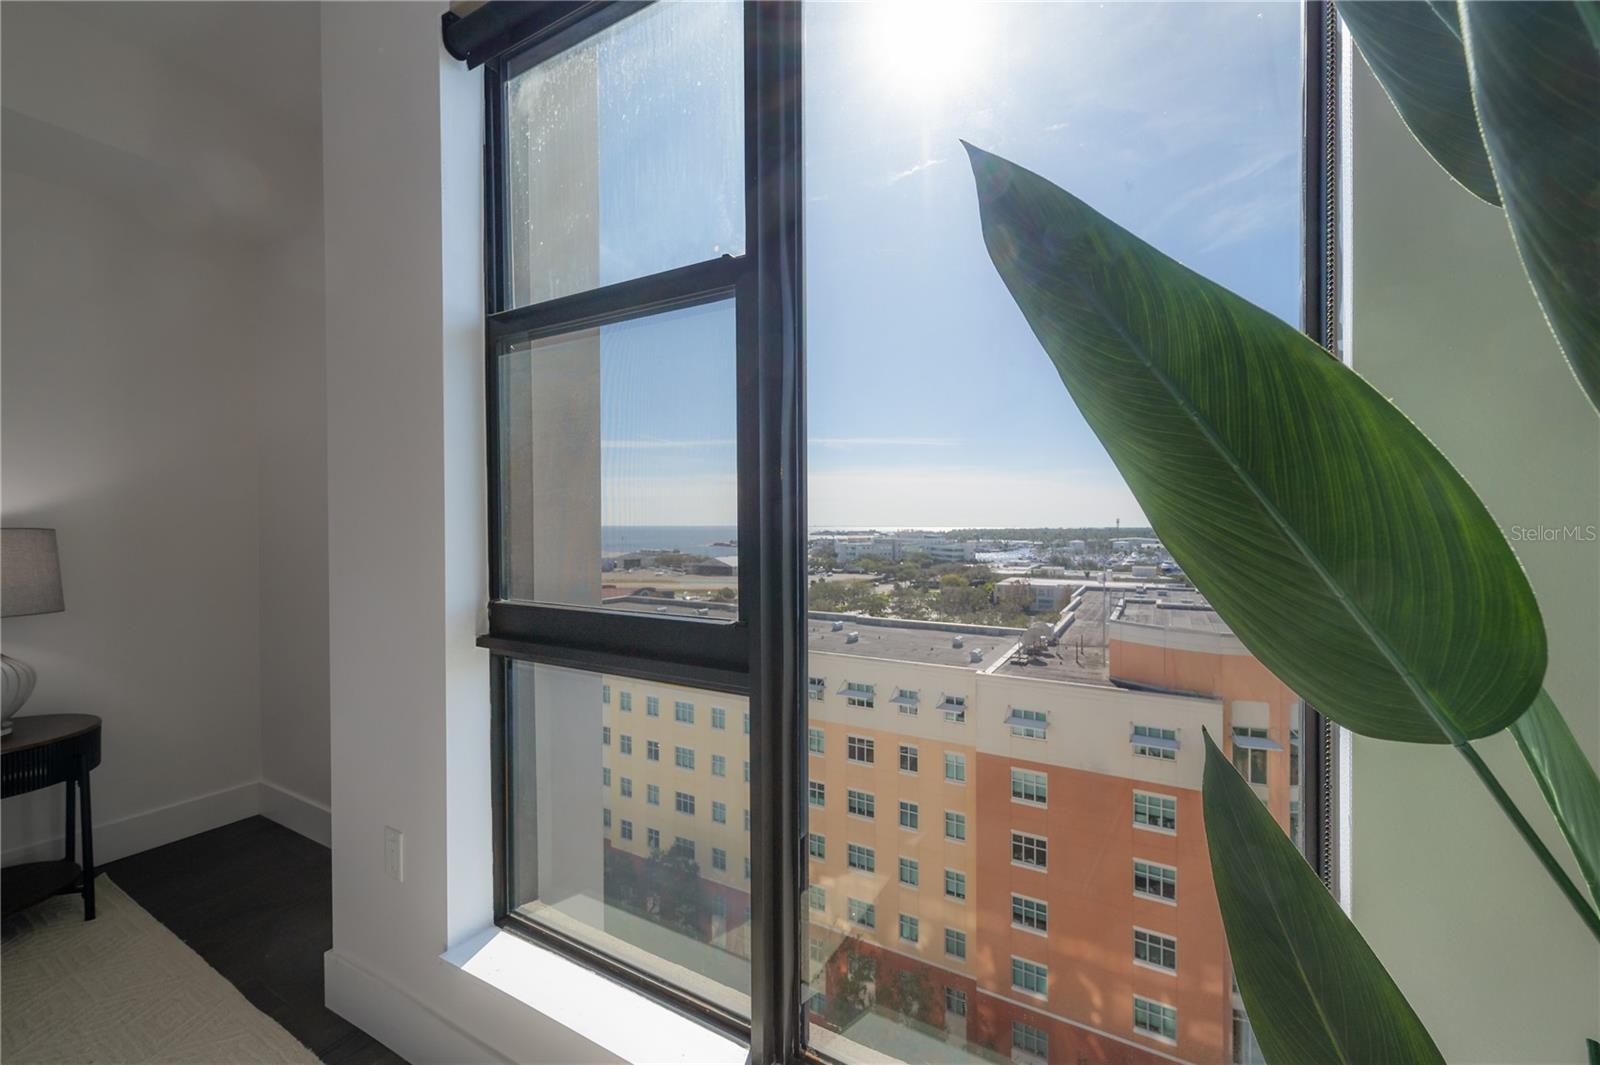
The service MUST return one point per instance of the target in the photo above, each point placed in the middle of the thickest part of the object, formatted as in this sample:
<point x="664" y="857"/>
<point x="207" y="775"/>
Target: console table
<point x="42" y="750"/>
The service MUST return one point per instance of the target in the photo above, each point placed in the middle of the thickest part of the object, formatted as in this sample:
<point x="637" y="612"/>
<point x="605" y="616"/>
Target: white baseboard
<point x="152" y="828"/>
<point x="396" y="1018"/>
<point x="294" y="811"/>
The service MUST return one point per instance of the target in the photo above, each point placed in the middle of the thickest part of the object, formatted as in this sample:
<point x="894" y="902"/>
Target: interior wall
<point x="1487" y="950"/>
<point x="163" y="409"/>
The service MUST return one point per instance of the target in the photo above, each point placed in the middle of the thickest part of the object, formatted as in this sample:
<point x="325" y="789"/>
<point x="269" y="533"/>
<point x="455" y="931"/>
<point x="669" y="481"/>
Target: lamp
<point x="30" y="583"/>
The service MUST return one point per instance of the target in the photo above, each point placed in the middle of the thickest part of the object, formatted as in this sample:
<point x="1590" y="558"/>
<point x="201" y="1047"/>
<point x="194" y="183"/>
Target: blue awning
<point x="948" y="706"/>
<point x="1018" y="721"/>
<point x="1256" y="743"/>
<point x="1158" y="742"/>
<point x="904" y="700"/>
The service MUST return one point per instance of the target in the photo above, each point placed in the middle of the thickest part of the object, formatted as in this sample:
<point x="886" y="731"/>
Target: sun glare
<point x="924" y="49"/>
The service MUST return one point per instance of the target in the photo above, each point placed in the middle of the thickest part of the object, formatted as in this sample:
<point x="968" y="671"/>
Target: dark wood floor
<point x="255" y="900"/>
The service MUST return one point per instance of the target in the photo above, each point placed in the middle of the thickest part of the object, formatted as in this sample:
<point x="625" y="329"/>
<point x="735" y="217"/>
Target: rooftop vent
<point x="703" y="611"/>
<point x="852" y="637"/>
<point x="838" y="626"/>
<point x="976" y="655"/>
<point x="956" y="642"/>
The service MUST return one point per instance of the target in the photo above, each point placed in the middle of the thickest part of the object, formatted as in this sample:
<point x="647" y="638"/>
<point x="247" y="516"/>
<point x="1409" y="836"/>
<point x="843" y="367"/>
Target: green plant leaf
<point x="1567" y="779"/>
<point x="1536" y="79"/>
<point x="1415" y="51"/>
<point x="1312" y="987"/>
<point x="1340" y="546"/>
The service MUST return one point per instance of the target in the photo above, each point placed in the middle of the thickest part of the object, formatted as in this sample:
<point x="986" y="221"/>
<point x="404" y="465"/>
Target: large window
<point x="769" y="438"/>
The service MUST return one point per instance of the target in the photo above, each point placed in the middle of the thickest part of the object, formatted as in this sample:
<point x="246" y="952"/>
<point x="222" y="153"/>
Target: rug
<point x="120" y="990"/>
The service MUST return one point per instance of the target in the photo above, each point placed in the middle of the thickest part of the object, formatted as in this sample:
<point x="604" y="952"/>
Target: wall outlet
<point x="394" y="853"/>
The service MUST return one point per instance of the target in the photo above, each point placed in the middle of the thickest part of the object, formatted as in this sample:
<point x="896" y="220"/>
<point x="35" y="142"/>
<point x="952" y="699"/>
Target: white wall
<point x="1486" y="949"/>
<point x="163" y="410"/>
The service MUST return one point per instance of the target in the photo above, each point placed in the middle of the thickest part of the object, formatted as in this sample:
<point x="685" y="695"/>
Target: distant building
<point x="902" y="545"/>
<point x="711" y="567"/>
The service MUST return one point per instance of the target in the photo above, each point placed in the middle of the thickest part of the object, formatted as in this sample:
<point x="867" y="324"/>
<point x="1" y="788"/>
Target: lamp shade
<point x="30" y="573"/>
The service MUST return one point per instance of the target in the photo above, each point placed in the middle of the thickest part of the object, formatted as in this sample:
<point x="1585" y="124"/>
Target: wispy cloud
<point x="915" y="169"/>
<point x="665" y="445"/>
<point x="882" y="441"/>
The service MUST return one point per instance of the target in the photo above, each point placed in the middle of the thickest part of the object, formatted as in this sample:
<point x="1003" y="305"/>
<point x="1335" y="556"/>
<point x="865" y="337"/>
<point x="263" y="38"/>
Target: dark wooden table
<point x="42" y="750"/>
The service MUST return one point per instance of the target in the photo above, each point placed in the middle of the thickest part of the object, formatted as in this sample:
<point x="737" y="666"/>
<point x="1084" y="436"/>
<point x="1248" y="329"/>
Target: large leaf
<point x="1312" y="987"/>
<point x="1415" y="51"/>
<point x="1335" y="540"/>
<point x="1567" y="780"/>
<point x="1536" y="79"/>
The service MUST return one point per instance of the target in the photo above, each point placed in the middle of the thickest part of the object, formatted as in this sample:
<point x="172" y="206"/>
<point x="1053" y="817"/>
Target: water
<point x="689" y="539"/>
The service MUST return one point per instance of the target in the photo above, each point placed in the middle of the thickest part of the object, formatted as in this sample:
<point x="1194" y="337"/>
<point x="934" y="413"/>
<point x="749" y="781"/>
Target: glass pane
<point x="625" y="153"/>
<point x="617" y="466"/>
<point x="985" y="589"/>
<point x="643" y="849"/>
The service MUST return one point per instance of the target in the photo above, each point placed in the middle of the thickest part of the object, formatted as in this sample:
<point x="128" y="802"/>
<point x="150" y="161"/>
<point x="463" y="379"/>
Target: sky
<point x="930" y="402"/>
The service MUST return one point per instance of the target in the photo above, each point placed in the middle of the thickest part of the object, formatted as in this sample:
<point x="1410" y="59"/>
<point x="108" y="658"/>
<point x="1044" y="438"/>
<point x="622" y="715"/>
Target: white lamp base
<point x="19" y="679"/>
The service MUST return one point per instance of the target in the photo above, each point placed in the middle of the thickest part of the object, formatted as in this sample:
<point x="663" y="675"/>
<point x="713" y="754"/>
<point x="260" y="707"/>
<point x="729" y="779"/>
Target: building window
<point x="955" y="1001"/>
<point x="1246" y="1051"/>
<point x="1029" y="850"/>
<point x="683" y="802"/>
<point x="816" y="793"/>
<point x="683" y="757"/>
<point x="719" y="812"/>
<point x="1155" y="881"/>
<point x="625" y="743"/>
<point x="652" y="706"/>
<point x="626" y="785"/>
<point x="1029" y="913"/>
<point x="861" y="803"/>
<point x="605" y="776"/>
<point x="908" y="814"/>
<point x="605" y="694"/>
<point x="954" y="707"/>
<point x="908" y="759"/>
<point x="1029" y="724"/>
<point x="1155" y="950"/>
<point x="910" y="872"/>
<point x="652" y="794"/>
<point x="1154" y="1018"/>
<point x="625" y="702"/>
<point x="747" y="772"/>
<point x="862" y="913"/>
<point x="652" y="750"/>
<point x="908" y="928"/>
<point x="652" y="838"/>
<point x="605" y="817"/>
<point x="605" y="735"/>
<point x="683" y="846"/>
<point x="862" y="858"/>
<point x="1159" y="743"/>
<point x="817" y="897"/>
<point x="955" y="768"/>
<point x="1030" y="1040"/>
<point x="858" y="695"/>
<point x="683" y="712"/>
<point x="814" y="740"/>
<point x="626" y="828"/>
<point x="719" y="859"/>
<point x="817" y="845"/>
<point x="747" y="868"/>
<point x="1250" y="761"/>
<point x="906" y="700"/>
<point x="814" y="688"/>
<point x="955" y="826"/>
<point x="719" y="718"/>
<point x="1029" y="977"/>
<point x="1028" y="786"/>
<point x="747" y="819"/>
<point x="747" y="723"/>
<point x="860" y="749"/>
<point x="1155" y="811"/>
<point x="719" y="766"/>
<point x="955" y="943"/>
<point x="955" y="884"/>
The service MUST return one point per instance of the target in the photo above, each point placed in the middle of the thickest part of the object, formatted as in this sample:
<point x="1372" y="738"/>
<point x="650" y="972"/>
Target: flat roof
<point x="1186" y="610"/>
<point x="908" y="643"/>
<point x="1079" y="655"/>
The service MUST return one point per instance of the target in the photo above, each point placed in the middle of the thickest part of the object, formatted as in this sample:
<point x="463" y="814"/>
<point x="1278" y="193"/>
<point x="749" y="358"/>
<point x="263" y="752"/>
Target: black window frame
<point x="762" y="655"/>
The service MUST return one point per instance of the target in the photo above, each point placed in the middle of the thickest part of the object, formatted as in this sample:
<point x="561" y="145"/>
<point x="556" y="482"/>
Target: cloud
<point x="916" y="169"/>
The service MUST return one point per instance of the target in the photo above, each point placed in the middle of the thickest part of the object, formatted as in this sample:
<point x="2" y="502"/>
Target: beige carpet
<point x="122" y="989"/>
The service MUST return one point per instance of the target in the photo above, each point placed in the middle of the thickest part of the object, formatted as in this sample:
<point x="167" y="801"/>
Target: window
<point x="906" y="700"/>
<point x="1155" y="881"/>
<point x="862" y="858"/>
<point x="719" y="859"/>
<point x="625" y="702"/>
<point x="1154" y="1018"/>
<point x="683" y="712"/>
<point x="747" y="868"/>
<point x="1029" y="913"/>
<point x="954" y="707"/>
<point x="1248" y="758"/>
<point x="814" y="741"/>
<point x="814" y="687"/>
<point x="817" y="793"/>
<point x="683" y="757"/>
<point x="817" y="897"/>
<point x="683" y="846"/>
<point x="605" y="735"/>
<point x="908" y="759"/>
<point x="1029" y="850"/>
<point x="747" y="772"/>
<point x="1029" y="977"/>
<point x="955" y="884"/>
<point x="605" y="776"/>
<point x="858" y="695"/>
<point x="955" y="826"/>
<point x="605" y="694"/>
<point x="1246" y="1050"/>
<point x="1155" y="950"/>
<point x="955" y="1001"/>
<point x="817" y="845"/>
<point x="1155" y="742"/>
<point x="652" y="706"/>
<point x="955" y="943"/>
<point x="1030" y="1040"/>
<point x="910" y="872"/>
<point x="1029" y="724"/>
<point x="626" y="828"/>
<point x="719" y="766"/>
<point x="860" y="749"/>
<point x="652" y="838"/>
<point x="747" y="724"/>
<point x="908" y="928"/>
<point x="652" y="751"/>
<point x="719" y="718"/>
<point x="626" y="787"/>
<point x="1028" y="786"/>
<point x="955" y="768"/>
<point x="864" y="914"/>
<point x="747" y="819"/>
<point x="908" y="814"/>
<point x="1155" y="811"/>
<point x="625" y="743"/>
<point x="719" y="812"/>
<point x="860" y="803"/>
<point x="605" y="817"/>
<point x="652" y="794"/>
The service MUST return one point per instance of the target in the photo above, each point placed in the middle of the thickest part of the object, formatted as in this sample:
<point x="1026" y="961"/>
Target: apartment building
<point x="1007" y="850"/>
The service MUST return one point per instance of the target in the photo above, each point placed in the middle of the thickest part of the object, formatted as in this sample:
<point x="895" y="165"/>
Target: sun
<point x="924" y="50"/>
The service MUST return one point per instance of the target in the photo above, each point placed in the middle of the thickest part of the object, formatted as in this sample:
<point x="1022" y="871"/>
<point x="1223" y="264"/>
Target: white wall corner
<point x="296" y="812"/>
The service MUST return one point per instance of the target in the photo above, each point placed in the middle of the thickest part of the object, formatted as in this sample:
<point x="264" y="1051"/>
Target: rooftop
<point x="1174" y="610"/>
<point x="1079" y="654"/>
<point x="910" y="641"/>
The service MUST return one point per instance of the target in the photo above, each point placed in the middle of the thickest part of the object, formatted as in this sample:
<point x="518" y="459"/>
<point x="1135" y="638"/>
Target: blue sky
<point x="931" y="403"/>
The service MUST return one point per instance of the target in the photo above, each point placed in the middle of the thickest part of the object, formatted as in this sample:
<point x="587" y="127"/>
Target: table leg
<point x="72" y="831"/>
<point x="88" y="843"/>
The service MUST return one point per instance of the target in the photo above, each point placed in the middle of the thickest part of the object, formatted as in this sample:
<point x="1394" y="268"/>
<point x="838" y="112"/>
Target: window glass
<point x="640" y="123"/>
<point x="959" y="500"/>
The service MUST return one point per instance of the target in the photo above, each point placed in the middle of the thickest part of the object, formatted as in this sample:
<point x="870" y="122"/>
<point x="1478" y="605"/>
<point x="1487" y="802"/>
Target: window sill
<point x="588" y="1003"/>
